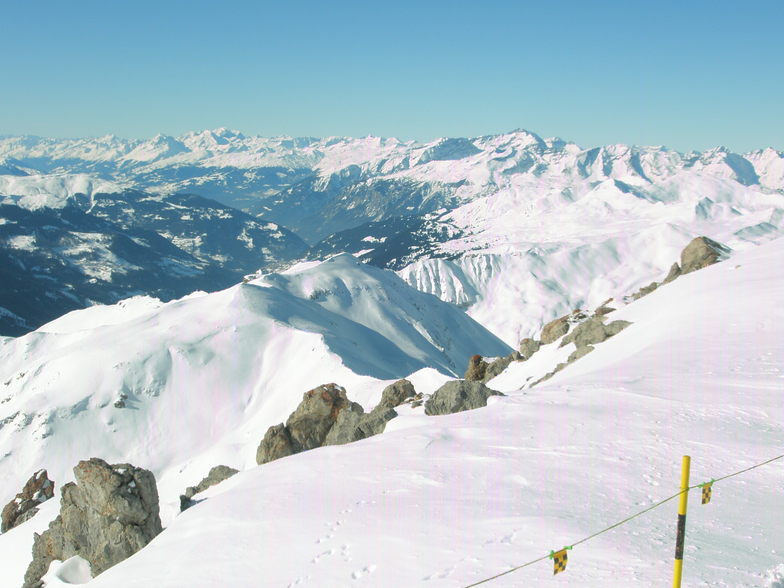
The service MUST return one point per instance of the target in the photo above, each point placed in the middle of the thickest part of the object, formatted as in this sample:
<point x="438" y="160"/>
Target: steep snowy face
<point x="169" y="385"/>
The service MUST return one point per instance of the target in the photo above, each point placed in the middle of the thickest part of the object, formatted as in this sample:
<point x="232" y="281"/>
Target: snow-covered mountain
<point x="70" y="240"/>
<point x="542" y="224"/>
<point x="224" y="366"/>
<point x="441" y="501"/>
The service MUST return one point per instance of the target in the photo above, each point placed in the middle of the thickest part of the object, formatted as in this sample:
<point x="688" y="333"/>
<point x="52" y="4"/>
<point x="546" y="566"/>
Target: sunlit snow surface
<point x="446" y="501"/>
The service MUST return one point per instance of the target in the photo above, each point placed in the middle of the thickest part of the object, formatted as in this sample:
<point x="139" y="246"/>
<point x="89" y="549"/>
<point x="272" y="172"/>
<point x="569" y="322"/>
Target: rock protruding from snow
<point x="324" y="417"/>
<point x="701" y="252"/>
<point x="554" y="330"/>
<point x="528" y="347"/>
<point x="38" y="489"/>
<point x="215" y="476"/>
<point x="396" y="394"/>
<point x="593" y="331"/>
<point x="457" y="396"/>
<point x="476" y="369"/>
<point x="107" y="515"/>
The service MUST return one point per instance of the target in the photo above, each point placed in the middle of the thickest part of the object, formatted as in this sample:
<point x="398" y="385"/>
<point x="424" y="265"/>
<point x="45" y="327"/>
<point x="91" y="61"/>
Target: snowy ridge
<point x="203" y="377"/>
<point x="462" y="497"/>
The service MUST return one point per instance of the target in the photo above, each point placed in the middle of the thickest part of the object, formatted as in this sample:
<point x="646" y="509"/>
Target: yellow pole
<point x="682" y="503"/>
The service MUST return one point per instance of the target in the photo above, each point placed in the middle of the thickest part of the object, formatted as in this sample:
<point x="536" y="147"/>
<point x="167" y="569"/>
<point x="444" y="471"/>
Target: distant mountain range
<point x="543" y="222"/>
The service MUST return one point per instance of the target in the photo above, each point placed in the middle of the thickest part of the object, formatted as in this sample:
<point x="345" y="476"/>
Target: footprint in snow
<point x="366" y="571"/>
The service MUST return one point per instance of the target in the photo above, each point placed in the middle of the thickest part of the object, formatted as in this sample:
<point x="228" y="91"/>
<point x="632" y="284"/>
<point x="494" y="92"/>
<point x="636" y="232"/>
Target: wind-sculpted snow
<point x="173" y="386"/>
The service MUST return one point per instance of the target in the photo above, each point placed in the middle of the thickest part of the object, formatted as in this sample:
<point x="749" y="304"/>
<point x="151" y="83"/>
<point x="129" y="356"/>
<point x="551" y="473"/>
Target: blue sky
<point x="689" y="75"/>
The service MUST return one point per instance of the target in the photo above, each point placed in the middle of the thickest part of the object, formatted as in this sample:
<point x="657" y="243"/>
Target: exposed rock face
<point x="586" y="333"/>
<point x="276" y="444"/>
<point x="674" y="272"/>
<point x="397" y="393"/>
<point x="554" y="329"/>
<point x="701" y="252"/>
<point x="38" y="489"/>
<point x="109" y="514"/>
<point x="585" y="336"/>
<point x="457" y="396"/>
<point x="603" y="309"/>
<point x="309" y="424"/>
<point x="353" y="425"/>
<point x="326" y="417"/>
<point x="476" y="368"/>
<point x="528" y="347"/>
<point x="645" y="290"/>
<point x="215" y="476"/>
<point x="593" y="331"/>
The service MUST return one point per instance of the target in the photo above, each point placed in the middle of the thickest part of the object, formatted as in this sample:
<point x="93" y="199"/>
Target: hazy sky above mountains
<point x="688" y="75"/>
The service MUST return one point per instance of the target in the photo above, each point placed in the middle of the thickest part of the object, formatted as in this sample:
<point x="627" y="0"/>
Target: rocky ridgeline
<point x="327" y="417"/>
<point x="107" y="515"/>
<point x="699" y="253"/>
<point x="37" y="490"/>
<point x="215" y="476"/>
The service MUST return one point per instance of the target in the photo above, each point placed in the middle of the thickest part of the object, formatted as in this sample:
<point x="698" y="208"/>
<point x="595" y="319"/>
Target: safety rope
<point x="619" y="523"/>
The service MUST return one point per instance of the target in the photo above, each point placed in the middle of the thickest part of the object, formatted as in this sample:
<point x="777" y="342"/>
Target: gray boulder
<point x="396" y="394"/>
<point x="353" y="425"/>
<point x="107" y="515"/>
<point x="38" y="489"/>
<point x="528" y="347"/>
<point x="309" y="424"/>
<point x="578" y="353"/>
<point x="457" y="396"/>
<point x="586" y="333"/>
<point x="701" y="252"/>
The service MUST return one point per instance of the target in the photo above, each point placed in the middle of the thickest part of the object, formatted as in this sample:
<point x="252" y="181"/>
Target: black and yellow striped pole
<point x="682" y="504"/>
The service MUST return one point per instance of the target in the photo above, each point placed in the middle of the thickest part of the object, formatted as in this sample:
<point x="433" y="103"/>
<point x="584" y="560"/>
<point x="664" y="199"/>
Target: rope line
<point x="619" y="523"/>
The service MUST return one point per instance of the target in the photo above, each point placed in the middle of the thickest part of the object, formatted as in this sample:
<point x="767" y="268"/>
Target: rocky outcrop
<point x="38" y="489"/>
<point x="593" y="331"/>
<point x="555" y="329"/>
<point x="215" y="476"/>
<point x="701" y="252"/>
<point x="645" y="290"/>
<point x="675" y="271"/>
<point x="275" y="445"/>
<point x="107" y="515"/>
<point x="476" y="369"/>
<point x="603" y="308"/>
<point x="324" y="417"/>
<point x="396" y="394"/>
<point x="457" y="396"/>
<point x="528" y="347"/>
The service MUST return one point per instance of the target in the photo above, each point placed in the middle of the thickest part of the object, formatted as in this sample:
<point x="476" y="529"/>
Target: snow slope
<point x="447" y="501"/>
<point x="203" y="377"/>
